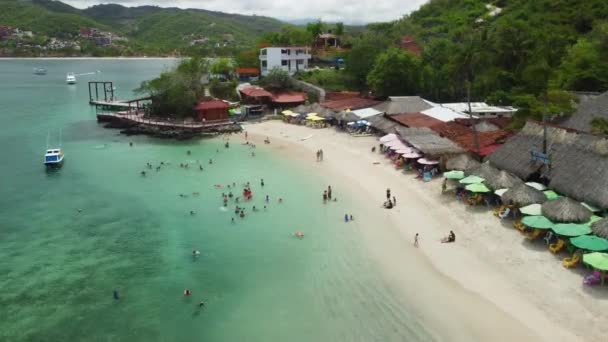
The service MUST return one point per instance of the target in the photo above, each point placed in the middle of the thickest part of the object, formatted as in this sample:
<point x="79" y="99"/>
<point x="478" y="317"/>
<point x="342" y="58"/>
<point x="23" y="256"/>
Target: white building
<point x="290" y="59"/>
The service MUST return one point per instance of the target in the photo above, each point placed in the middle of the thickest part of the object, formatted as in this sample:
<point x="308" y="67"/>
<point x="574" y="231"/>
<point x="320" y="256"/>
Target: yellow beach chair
<point x="535" y="234"/>
<point x="572" y="261"/>
<point x="519" y="226"/>
<point x="557" y="246"/>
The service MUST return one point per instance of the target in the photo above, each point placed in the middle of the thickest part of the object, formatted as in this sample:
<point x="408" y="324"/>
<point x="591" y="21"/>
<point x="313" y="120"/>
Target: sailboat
<point x="53" y="156"/>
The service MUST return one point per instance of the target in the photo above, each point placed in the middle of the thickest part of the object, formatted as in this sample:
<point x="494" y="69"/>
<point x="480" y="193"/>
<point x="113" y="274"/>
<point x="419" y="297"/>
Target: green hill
<point x="163" y="29"/>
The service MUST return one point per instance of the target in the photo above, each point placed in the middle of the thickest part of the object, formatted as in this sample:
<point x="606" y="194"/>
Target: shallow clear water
<point x="135" y="234"/>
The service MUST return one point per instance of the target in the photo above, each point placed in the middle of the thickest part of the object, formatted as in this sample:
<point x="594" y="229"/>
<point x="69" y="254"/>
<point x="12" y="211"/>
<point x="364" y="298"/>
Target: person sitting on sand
<point x="388" y="204"/>
<point x="299" y="235"/>
<point x="450" y="238"/>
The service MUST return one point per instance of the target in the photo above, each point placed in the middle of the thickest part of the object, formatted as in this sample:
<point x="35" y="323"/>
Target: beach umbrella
<point x="454" y="174"/>
<point x="461" y="162"/>
<point x="412" y="155"/>
<point x="500" y="192"/>
<point x="396" y="142"/>
<point x="471" y="180"/>
<point x="591" y="208"/>
<point x="537" y="186"/>
<point x="590" y="243"/>
<point x="600" y="228"/>
<point x="501" y="180"/>
<point x="404" y="151"/>
<point x="593" y="219"/>
<point x="571" y="229"/>
<point x="596" y="260"/>
<point x="565" y="209"/>
<point x="551" y="195"/>
<point x="287" y="112"/>
<point x="388" y="137"/>
<point x="425" y="161"/>
<point x="538" y="222"/>
<point x="522" y="195"/>
<point x="477" y="187"/>
<point x="532" y="209"/>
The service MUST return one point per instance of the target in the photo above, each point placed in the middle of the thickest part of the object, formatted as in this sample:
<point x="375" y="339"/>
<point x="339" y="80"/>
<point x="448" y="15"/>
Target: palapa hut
<point x="522" y="195"/>
<point x="429" y="142"/>
<point x="565" y="209"/>
<point x="462" y="162"/>
<point x="503" y="180"/>
<point x="600" y="228"/>
<point x="382" y="124"/>
<point x="579" y="161"/>
<point x="484" y="170"/>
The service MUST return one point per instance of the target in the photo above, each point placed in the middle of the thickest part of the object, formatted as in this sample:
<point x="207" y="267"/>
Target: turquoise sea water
<point x="134" y="234"/>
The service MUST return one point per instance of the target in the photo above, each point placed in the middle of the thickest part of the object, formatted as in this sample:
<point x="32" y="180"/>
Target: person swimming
<point x="195" y="253"/>
<point x="115" y="295"/>
<point x="201" y="304"/>
<point x="187" y="292"/>
<point x="192" y="212"/>
<point x="242" y="214"/>
<point x="299" y="235"/>
<point x="230" y="195"/>
<point x="267" y="199"/>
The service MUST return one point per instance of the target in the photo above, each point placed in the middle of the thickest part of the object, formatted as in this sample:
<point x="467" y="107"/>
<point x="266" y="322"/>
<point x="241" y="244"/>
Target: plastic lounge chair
<point x="498" y="210"/>
<point x="519" y="226"/>
<point x="572" y="261"/>
<point x="535" y="234"/>
<point x="557" y="246"/>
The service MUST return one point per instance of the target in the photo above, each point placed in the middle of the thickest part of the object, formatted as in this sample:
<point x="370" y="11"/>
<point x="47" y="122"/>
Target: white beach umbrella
<point x="537" y="186"/>
<point x="425" y="161"/>
<point x="388" y="137"/>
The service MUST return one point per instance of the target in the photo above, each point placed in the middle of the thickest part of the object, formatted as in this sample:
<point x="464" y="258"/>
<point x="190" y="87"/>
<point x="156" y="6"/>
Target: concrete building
<point x="290" y="59"/>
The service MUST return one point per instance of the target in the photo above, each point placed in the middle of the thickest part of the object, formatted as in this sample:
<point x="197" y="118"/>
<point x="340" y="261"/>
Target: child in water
<point x="345" y="217"/>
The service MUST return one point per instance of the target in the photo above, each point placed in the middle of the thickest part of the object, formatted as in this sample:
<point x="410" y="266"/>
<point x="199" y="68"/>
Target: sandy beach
<point x="491" y="284"/>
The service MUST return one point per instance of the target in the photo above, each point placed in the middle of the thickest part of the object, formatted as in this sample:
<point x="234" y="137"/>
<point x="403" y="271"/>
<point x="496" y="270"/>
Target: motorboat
<point x="70" y="78"/>
<point x="53" y="157"/>
<point x="39" y="71"/>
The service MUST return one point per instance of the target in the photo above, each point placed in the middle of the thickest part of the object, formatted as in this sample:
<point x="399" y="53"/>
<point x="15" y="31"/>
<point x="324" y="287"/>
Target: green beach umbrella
<point x="454" y="174"/>
<point x="571" y="229"/>
<point x="593" y="219"/>
<point x="551" y="195"/>
<point x="596" y="260"/>
<point x="478" y="187"/>
<point x="471" y="180"/>
<point x="539" y="222"/>
<point x="532" y="209"/>
<point x="590" y="243"/>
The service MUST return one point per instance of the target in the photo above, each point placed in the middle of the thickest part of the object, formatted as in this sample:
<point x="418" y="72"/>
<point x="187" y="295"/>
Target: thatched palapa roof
<point x="522" y="195"/>
<point x="503" y="180"/>
<point x="579" y="161"/>
<point x="461" y="162"/>
<point x="588" y="109"/>
<point x="428" y="142"/>
<point x="382" y="124"/>
<point x="565" y="209"/>
<point x="600" y="228"/>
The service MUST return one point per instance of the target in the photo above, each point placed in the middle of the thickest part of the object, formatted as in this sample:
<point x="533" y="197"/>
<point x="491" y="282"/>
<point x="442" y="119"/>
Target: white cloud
<point x="328" y="10"/>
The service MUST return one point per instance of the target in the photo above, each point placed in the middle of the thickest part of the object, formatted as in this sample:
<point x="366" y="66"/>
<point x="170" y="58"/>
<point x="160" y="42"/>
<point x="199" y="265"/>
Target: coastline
<point x="503" y="287"/>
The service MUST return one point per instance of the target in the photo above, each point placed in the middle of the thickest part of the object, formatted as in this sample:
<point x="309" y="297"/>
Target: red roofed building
<point x="212" y="110"/>
<point x="245" y="74"/>
<point x="415" y="120"/>
<point x="465" y="137"/>
<point x="353" y="103"/>
<point x="408" y="43"/>
<point x="255" y="95"/>
<point x="288" y="99"/>
<point x="340" y="95"/>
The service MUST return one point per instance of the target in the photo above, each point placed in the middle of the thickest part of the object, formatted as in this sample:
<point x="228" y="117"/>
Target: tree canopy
<point x="395" y="72"/>
<point x="175" y="93"/>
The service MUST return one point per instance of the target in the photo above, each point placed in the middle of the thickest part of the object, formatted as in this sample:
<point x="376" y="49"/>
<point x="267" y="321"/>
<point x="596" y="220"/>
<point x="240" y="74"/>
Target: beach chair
<point x="535" y="234"/>
<point x="519" y="226"/>
<point x="557" y="246"/>
<point x="572" y="261"/>
<point x="499" y="209"/>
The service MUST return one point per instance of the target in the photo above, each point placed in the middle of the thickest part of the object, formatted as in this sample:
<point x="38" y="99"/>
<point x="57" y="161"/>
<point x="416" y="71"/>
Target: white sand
<point x="491" y="285"/>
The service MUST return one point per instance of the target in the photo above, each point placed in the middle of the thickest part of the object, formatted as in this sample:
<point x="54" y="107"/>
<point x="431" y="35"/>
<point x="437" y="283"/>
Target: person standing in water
<point x="388" y="194"/>
<point x="115" y="295"/>
<point x="329" y="192"/>
<point x="262" y="183"/>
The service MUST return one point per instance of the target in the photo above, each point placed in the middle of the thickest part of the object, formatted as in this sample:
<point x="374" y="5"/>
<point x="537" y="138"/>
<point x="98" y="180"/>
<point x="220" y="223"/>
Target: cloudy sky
<point x="357" y="11"/>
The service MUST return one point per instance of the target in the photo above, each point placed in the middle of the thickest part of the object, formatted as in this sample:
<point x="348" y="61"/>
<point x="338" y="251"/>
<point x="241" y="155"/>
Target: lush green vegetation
<point x="151" y="30"/>
<point x="175" y="93"/>
<point x="328" y="79"/>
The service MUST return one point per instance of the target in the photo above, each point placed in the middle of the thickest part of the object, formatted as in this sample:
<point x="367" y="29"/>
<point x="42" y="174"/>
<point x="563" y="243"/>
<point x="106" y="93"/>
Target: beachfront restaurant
<point x="430" y="144"/>
<point x="212" y="110"/>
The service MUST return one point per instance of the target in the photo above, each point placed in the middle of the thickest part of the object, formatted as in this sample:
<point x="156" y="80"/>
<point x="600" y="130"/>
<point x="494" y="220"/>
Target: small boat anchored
<point x="53" y="157"/>
<point x="39" y="71"/>
<point x="70" y="78"/>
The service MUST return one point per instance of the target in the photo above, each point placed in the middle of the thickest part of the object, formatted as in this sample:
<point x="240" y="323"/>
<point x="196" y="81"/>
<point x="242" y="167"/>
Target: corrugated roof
<point x="351" y="103"/>
<point x="255" y="92"/>
<point x="464" y="136"/>
<point x="443" y="114"/>
<point x="365" y="112"/>
<point x="415" y="120"/>
<point x="292" y="97"/>
<point x="251" y="71"/>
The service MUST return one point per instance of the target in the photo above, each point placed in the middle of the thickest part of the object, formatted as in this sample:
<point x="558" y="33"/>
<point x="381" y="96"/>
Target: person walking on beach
<point x="416" y="240"/>
<point x="321" y="154"/>
<point x="325" y="196"/>
<point x="388" y="194"/>
<point x="329" y="192"/>
<point x="394" y="201"/>
<point x="345" y="217"/>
